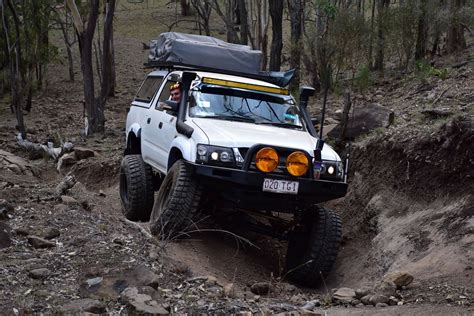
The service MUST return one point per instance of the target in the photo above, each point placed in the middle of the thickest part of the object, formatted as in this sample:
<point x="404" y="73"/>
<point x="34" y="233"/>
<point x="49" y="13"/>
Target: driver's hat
<point x="176" y="85"/>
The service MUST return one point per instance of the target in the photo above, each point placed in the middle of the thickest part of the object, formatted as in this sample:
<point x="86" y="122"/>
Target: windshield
<point x="244" y="106"/>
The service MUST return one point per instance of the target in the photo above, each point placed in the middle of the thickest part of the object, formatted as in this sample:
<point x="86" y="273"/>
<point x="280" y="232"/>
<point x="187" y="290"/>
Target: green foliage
<point x="363" y="79"/>
<point x="425" y="70"/>
<point x="401" y="31"/>
<point x="329" y="9"/>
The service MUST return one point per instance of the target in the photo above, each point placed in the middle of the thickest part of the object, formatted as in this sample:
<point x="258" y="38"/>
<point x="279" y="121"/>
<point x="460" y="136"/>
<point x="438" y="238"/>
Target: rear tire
<point x="176" y="209"/>
<point x="136" y="188"/>
<point x="312" y="252"/>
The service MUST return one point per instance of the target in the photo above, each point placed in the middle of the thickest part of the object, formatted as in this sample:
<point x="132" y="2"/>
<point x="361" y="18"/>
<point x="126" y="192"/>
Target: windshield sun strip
<point x="247" y="86"/>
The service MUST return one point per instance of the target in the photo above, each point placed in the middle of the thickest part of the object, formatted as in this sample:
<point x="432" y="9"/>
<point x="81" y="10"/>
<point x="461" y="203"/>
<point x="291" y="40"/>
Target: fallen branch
<point x="442" y="93"/>
<point x="142" y="229"/>
<point x="53" y="152"/>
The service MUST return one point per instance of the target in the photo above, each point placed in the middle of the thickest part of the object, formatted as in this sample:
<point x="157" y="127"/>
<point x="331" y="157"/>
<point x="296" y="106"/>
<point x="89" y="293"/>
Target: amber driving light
<point x="297" y="164"/>
<point x="266" y="159"/>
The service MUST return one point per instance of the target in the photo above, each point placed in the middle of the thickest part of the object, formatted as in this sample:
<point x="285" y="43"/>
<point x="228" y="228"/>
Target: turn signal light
<point x="297" y="164"/>
<point x="267" y="159"/>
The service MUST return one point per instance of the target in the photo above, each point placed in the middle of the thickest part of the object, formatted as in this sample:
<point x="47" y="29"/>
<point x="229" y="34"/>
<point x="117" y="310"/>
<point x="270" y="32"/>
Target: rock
<point x="5" y="235"/>
<point x="260" y="288"/>
<point x="84" y="305"/>
<point x="40" y="274"/>
<point x="386" y="287"/>
<point x="51" y="233"/>
<point x="229" y="290"/>
<point x="355" y="302"/>
<point x="93" y="281"/>
<point x="40" y="243"/>
<point x="311" y="304"/>
<point x="102" y="193"/>
<point x="83" y="153"/>
<point x="400" y="278"/>
<point x="392" y="301"/>
<point x="22" y="232"/>
<point x="365" y="119"/>
<point x="69" y="200"/>
<point x="361" y="292"/>
<point x="377" y="298"/>
<point x="13" y="161"/>
<point x="5" y="209"/>
<point x="146" y="277"/>
<point x="210" y="280"/>
<point x="14" y="168"/>
<point x="381" y="305"/>
<point x="141" y="303"/>
<point x="67" y="183"/>
<point x="148" y="290"/>
<point x="450" y="298"/>
<point x="68" y="159"/>
<point x="431" y="96"/>
<point x="344" y="295"/>
<point x="366" y="300"/>
<point x="60" y="208"/>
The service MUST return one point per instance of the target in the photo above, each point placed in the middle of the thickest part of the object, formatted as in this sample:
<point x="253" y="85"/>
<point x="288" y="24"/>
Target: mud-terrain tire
<point x="312" y="252"/>
<point x="136" y="188"/>
<point x="176" y="209"/>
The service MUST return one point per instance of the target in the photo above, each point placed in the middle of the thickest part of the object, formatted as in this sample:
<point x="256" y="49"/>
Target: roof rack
<point x="278" y="78"/>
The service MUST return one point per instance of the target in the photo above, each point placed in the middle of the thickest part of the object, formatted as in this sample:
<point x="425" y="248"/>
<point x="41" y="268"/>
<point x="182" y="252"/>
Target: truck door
<point x="159" y="130"/>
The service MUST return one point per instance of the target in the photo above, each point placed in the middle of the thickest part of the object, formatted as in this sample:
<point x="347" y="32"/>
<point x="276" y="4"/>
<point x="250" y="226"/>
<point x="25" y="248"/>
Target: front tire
<point x="176" y="209"/>
<point x="136" y="188"/>
<point x="312" y="252"/>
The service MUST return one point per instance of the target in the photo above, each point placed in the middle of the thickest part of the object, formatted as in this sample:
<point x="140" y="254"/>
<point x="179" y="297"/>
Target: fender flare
<point x="136" y="129"/>
<point x="187" y="148"/>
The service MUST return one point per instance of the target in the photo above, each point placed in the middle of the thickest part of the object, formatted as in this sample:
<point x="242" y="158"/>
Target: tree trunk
<point x="296" y="14"/>
<point x="203" y="8"/>
<point x="422" y="34"/>
<point x="379" y="58"/>
<point x="232" y="36"/>
<point x="371" y="43"/>
<point x="15" y="68"/>
<point x="244" y="27"/>
<point x="184" y="7"/>
<point x="455" y="40"/>
<point x="107" y="57"/>
<point x="276" y="13"/>
<point x="113" y="80"/>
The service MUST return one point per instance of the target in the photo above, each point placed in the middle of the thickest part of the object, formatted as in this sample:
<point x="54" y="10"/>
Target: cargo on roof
<point x="204" y="52"/>
<point x="197" y="52"/>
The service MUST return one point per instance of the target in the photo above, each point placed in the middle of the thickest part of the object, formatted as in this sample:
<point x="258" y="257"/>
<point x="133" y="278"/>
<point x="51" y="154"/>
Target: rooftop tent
<point x="209" y="53"/>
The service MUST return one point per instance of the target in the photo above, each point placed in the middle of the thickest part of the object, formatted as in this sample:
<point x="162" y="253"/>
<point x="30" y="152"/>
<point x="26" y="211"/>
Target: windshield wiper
<point x="286" y="125"/>
<point x="231" y="118"/>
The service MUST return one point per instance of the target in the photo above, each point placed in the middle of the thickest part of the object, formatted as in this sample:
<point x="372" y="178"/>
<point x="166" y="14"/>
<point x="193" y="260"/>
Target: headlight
<point x="267" y="159"/>
<point x="297" y="163"/>
<point x="214" y="155"/>
<point x="329" y="170"/>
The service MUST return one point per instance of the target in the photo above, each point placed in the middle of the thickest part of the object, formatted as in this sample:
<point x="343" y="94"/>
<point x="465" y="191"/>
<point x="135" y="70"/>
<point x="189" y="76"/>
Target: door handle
<point x="160" y="125"/>
<point x="148" y="120"/>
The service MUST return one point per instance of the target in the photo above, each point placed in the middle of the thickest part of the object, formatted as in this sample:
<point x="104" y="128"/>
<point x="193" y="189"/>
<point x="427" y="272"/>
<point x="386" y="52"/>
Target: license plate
<point x="280" y="186"/>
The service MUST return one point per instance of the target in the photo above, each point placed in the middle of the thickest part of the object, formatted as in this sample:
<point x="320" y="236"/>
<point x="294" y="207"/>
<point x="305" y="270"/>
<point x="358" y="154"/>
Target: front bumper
<point x="243" y="189"/>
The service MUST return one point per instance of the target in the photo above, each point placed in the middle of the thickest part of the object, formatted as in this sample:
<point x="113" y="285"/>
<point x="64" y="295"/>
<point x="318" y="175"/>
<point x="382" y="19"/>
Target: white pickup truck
<point x="233" y="145"/>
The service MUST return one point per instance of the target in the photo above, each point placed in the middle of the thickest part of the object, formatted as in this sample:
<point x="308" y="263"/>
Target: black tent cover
<point x="209" y="53"/>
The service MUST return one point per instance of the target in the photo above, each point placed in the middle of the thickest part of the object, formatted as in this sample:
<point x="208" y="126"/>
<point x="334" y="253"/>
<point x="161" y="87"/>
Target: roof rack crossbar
<point x="280" y="79"/>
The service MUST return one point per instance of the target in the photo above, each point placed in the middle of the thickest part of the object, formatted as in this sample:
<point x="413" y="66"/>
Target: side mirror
<point x="169" y="105"/>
